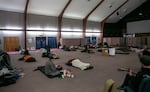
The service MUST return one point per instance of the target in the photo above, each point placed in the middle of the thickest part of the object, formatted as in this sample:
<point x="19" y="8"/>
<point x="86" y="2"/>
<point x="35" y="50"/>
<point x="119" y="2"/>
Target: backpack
<point x="9" y="78"/>
<point x="4" y="60"/>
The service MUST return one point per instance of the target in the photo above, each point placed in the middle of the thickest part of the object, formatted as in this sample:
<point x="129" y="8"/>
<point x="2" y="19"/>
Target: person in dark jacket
<point x="133" y="80"/>
<point x="146" y="52"/>
<point x="5" y="60"/>
<point x="51" y="69"/>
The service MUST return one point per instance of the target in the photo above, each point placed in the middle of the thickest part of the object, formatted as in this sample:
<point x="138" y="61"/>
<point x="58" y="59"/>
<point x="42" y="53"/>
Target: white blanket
<point x="77" y="63"/>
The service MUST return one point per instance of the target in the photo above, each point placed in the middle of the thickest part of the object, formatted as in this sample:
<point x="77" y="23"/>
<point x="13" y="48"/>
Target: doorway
<point x="52" y="42"/>
<point x="40" y="42"/>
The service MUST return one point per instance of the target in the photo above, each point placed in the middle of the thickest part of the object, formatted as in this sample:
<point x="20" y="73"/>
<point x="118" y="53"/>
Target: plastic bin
<point x="112" y="51"/>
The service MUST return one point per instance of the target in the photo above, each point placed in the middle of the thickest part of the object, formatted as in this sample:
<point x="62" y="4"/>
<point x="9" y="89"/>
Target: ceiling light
<point x="117" y="13"/>
<point x="110" y="5"/>
<point x="140" y="13"/>
<point x="124" y="10"/>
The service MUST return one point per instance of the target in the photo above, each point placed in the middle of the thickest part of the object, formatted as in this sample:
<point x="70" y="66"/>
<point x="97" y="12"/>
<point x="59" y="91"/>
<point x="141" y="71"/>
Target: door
<point x="88" y="40"/>
<point x="94" y="40"/>
<point x="52" y="42"/>
<point x="11" y="43"/>
<point x="40" y="42"/>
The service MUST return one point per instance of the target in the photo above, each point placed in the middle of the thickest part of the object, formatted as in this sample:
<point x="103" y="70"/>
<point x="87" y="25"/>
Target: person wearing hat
<point x="133" y="79"/>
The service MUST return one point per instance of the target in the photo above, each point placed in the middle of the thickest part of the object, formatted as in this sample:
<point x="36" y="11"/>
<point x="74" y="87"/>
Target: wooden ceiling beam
<point x="86" y="17"/>
<point x="62" y="12"/>
<point x="115" y="10"/>
<point x="60" y="19"/>
<point x="25" y="23"/>
<point x="103" y="22"/>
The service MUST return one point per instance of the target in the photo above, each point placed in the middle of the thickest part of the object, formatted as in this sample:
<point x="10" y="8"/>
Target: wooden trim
<point x="102" y="28"/>
<point x="60" y="19"/>
<point x="25" y="23"/>
<point x="103" y="22"/>
<point x="84" y="27"/>
<point x="62" y="12"/>
<point x="59" y="28"/>
<point x="94" y="9"/>
<point x="86" y="17"/>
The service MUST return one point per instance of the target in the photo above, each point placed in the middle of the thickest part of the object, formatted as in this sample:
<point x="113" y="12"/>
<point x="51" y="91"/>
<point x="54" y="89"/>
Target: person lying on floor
<point x="69" y="48"/>
<point x="132" y="79"/>
<point x="79" y="64"/>
<point x="27" y="57"/>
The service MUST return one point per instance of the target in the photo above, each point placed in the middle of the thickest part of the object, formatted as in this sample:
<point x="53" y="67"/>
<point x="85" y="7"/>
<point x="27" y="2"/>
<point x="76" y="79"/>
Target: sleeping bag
<point x="29" y="58"/>
<point x="79" y="64"/>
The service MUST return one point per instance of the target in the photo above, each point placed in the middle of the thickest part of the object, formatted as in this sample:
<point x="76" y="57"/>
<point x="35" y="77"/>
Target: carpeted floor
<point x="105" y="67"/>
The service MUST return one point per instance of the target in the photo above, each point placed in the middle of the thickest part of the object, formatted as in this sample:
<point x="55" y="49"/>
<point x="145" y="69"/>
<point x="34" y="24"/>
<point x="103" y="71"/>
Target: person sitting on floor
<point x="86" y="49"/>
<point x="79" y="64"/>
<point x="22" y="51"/>
<point x="105" y="45"/>
<point x="132" y="79"/>
<point x="46" y="52"/>
<point x="56" y="70"/>
<point x="66" y="48"/>
<point x="51" y="70"/>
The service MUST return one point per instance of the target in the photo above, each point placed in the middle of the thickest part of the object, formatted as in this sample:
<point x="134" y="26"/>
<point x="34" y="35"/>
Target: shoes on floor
<point x="121" y="88"/>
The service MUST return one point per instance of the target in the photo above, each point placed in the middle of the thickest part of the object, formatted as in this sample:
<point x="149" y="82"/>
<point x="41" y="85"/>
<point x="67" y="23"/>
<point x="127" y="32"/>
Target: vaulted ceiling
<point x="93" y="10"/>
<point x="140" y="13"/>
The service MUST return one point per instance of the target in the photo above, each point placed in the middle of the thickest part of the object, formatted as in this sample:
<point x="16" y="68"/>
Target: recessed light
<point x="110" y="5"/>
<point x="124" y="10"/>
<point x="117" y="13"/>
<point x="140" y="13"/>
